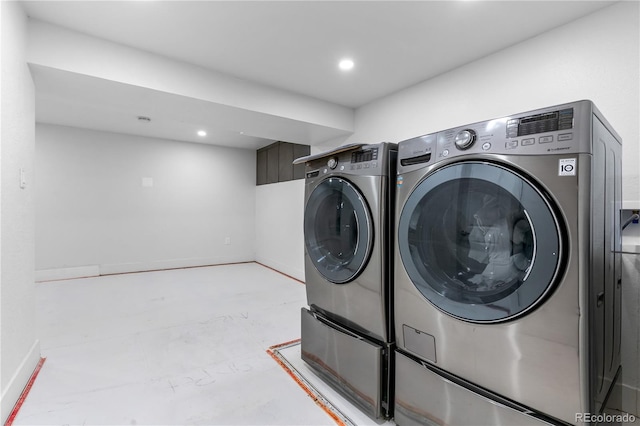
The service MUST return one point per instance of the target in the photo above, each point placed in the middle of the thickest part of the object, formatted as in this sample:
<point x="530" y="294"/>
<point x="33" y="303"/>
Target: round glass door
<point x="479" y="242"/>
<point x="337" y="230"/>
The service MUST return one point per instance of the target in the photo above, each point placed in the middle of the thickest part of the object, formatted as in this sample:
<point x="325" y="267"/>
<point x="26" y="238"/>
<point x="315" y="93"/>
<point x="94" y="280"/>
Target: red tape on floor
<point x="25" y="393"/>
<point x="273" y="352"/>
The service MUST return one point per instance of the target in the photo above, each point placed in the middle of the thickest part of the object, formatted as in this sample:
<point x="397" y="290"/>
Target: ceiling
<point x="292" y="46"/>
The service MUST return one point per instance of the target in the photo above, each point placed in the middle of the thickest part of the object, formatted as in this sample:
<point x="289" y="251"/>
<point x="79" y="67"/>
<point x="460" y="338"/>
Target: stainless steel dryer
<point x="507" y="283"/>
<point x="347" y="334"/>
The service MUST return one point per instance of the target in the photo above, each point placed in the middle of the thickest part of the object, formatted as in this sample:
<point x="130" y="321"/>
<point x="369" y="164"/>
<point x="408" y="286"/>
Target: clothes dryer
<point x="508" y="279"/>
<point x="347" y="334"/>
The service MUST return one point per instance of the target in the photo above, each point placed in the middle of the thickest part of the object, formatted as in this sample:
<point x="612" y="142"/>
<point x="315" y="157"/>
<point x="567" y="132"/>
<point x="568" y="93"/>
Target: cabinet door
<point x="261" y="166"/>
<point x="272" y="163"/>
<point x="285" y="166"/>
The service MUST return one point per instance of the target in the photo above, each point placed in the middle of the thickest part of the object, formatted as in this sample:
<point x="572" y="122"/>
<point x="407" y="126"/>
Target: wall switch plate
<point x="227" y="240"/>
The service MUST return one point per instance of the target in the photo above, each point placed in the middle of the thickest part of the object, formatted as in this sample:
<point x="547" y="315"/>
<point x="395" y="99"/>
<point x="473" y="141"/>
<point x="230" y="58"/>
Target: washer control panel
<point x="540" y="123"/>
<point x="555" y="130"/>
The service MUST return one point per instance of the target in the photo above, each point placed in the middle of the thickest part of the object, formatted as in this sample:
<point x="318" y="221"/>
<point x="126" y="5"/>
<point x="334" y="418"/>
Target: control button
<point x="528" y="141"/>
<point x="367" y="165"/>
<point x="565" y="136"/>
<point x="359" y="166"/>
<point x="445" y="153"/>
<point x="511" y="144"/>
<point x="341" y="168"/>
<point x="332" y="163"/>
<point x="374" y="164"/>
<point x="324" y="171"/>
<point x="465" y="139"/>
<point x="486" y="146"/>
<point x="545" y="139"/>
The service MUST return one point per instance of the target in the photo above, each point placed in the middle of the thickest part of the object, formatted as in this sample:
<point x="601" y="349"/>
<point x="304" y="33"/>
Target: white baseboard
<point x="19" y="380"/>
<point x="124" y="268"/>
<point x="296" y="273"/>
<point x="67" y="273"/>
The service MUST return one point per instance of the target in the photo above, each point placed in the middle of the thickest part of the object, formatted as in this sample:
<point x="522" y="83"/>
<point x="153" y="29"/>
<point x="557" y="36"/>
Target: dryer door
<point x="479" y="241"/>
<point x="337" y="229"/>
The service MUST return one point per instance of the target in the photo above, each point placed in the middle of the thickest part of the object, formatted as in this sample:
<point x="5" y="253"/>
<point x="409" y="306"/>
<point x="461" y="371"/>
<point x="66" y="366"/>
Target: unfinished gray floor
<point x="171" y="347"/>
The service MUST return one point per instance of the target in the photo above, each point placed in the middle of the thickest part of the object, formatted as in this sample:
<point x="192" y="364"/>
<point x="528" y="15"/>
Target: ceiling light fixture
<point x="202" y="133"/>
<point x="346" y="64"/>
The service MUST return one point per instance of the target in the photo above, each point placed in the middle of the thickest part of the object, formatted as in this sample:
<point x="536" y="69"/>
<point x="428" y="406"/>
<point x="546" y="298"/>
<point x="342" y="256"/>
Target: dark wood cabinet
<point x="285" y="157"/>
<point x="261" y="168"/>
<point x="274" y="163"/>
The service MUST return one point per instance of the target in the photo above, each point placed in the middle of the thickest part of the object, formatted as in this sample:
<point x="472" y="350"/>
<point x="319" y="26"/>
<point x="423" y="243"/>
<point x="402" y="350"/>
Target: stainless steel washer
<point x="507" y="282"/>
<point x="347" y="334"/>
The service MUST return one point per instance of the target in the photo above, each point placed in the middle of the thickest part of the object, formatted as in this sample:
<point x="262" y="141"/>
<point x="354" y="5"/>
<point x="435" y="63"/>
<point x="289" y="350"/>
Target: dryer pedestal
<point x="354" y="366"/>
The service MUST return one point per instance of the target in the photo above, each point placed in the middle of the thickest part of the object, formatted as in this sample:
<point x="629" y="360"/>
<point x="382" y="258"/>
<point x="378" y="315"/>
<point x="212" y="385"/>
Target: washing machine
<point x="508" y="276"/>
<point x="347" y="336"/>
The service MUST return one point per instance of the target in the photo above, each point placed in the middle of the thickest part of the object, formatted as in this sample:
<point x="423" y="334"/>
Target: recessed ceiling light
<point x="346" y="64"/>
<point x="202" y="133"/>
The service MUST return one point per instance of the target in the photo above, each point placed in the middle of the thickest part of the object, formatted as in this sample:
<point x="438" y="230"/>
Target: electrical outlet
<point x="227" y="240"/>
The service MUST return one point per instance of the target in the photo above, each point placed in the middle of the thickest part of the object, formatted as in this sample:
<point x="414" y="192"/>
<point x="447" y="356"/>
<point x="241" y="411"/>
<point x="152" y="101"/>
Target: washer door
<point x="479" y="242"/>
<point x="337" y="229"/>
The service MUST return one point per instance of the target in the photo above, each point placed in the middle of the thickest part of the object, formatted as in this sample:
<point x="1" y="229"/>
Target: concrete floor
<point x="172" y="347"/>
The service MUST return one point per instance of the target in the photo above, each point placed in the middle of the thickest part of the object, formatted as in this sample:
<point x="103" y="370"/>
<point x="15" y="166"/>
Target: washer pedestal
<point x="423" y="396"/>
<point x="354" y="366"/>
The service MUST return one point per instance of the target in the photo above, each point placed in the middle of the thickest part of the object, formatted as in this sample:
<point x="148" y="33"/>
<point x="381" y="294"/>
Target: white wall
<point x="95" y="216"/>
<point x="20" y="350"/>
<point x="279" y="220"/>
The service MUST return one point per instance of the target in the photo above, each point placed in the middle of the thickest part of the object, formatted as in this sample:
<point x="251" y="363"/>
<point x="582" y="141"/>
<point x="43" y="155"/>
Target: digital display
<point x="364" y="155"/>
<point x="541" y="123"/>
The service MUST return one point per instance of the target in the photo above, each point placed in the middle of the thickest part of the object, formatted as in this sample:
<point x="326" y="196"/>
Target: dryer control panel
<point x="561" y="129"/>
<point x="364" y="160"/>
